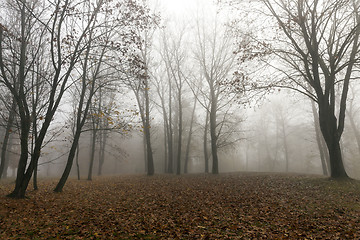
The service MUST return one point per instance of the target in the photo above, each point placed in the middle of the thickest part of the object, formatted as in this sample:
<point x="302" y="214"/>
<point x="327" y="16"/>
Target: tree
<point x="214" y="54"/>
<point x="324" y="155"/>
<point x="50" y="26"/>
<point x="5" y="142"/>
<point x="112" y="35"/>
<point x="189" y="138"/>
<point x="352" y="113"/>
<point x="174" y="57"/>
<point x="316" y="44"/>
<point x="135" y="76"/>
<point x="87" y="86"/>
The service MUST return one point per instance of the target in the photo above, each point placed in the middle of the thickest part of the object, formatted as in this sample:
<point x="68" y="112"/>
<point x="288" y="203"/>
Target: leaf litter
<point x="199" y="206"/>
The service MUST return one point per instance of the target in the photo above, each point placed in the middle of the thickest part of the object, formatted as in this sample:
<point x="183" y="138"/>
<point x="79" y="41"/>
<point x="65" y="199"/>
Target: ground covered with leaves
<point x="225" y="206"/>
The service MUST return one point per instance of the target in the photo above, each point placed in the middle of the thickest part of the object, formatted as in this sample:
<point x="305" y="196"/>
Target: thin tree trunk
<point x="145" y="152"/>
<point x="215" y="166"/>
<point x="77" y="161"/>
<point x="75" y="146"/>
<point x="166" y="133"/>
<point x="165" y="148"/>
<point x="189" y="138"/>
<point x="247" y="156"/>
<point x="102" y="152"/>
<point x="206" y="153"/>
<point x="35" y="176"/>
<point x="170" y="134"/>
<point x="6" y="138"/>
<point x="285" y="146"/>
<point x="319" y="140"/>
<point x="7" y="160"/>
<point x="178" y="159"/>
<point x="356" y="131"/>
<point x="147" y="126"/>
<point x="92" y="154"/>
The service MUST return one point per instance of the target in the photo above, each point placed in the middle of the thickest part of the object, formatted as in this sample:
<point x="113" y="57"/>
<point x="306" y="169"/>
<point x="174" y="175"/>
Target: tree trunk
<point x="35" y="175"/>
<point x="247" y="156"/>
<point x="150" y="160"/>
<point x="7" y="160"/>
<point x="166" y="133"/>
<point x="170" y="134"/>
<point x="21" y="184"/>
<point x="336" y="161"/>
<point x="145" y="152"/>
<point x="21" y="179"/>
<point x="170" y="148"/>
<point x="92" y="154"/>
<point x="165" y="148"/>
<point x="328" y="124"/>
<point x="103" y="138"/>
<point x="356" y="131"/>
<point x="206" y="153"/>
<point x="215" y="166"/>
<point x="74" y="148"/>
<point x="285" y="146"/>
<point x="189" y="138"/>
<point x="150" y="164"/>
<point x="319" y="140"/>
<point x="178" y="158"/>
<point x="6" y="138"/>
<point x="77" y="161"/>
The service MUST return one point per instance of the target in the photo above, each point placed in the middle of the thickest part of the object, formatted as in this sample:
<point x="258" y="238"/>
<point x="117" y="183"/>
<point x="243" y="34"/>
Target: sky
<point x="178" y="5"/>
<point x="182" y="7"/>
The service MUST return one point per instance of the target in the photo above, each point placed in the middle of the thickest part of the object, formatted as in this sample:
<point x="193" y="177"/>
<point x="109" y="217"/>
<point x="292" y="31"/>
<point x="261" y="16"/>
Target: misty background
<point x="184" y="96"/>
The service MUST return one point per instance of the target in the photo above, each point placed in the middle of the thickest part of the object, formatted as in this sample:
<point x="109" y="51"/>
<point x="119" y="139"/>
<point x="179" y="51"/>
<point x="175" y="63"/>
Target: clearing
<point x="200" y="206"/>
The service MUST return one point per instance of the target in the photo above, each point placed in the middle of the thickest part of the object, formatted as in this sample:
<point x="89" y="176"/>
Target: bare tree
<point x="324" y="154"/>
<point x="215" y="57"/>
<point x="96" y="74"/>
<point x="5" y="142"/>
<point x="316" y="44"/>
<point x="51" y="29"/>
<point x="174" y="59"/>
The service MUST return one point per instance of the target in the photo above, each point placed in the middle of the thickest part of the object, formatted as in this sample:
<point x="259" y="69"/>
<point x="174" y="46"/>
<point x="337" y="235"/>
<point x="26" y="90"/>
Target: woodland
<point x="229" y="119"/>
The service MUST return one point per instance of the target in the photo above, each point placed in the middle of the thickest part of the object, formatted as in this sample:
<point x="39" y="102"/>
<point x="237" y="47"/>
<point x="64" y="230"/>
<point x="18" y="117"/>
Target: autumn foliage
<point x="232" y="206"/>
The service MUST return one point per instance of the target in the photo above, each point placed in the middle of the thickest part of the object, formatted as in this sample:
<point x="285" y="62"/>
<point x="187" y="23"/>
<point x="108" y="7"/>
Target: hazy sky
<point x="182" y="7"/>
<point x="179" y="5"/>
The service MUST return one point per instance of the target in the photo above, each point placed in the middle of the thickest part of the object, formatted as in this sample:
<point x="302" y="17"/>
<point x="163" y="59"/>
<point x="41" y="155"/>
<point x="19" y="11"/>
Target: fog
<point x="176" y="87"/>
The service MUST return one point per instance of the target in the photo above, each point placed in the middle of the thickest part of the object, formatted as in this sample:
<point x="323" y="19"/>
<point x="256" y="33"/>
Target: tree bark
<point x="92" y="154"/>
<point x="179" y="149"/>
<point x="147" y="126"/>
<point x="59" y="187"/>
<point x="170" y="139"/>
<point x="319" y="140"/>
<point x="206" y="153"/>
<point x="328" y="125"/>
<point x="21" y="183"/>
<point x="189" y="138"/>
<point x="356" y="131"/>
<point x="7" y="160"/>
<point x="6" y="138"/>
<point x="285" y="146"/>
<point x="77" y="161"/>
<point x="213" y="110"/>
<point x="103" y="138"/>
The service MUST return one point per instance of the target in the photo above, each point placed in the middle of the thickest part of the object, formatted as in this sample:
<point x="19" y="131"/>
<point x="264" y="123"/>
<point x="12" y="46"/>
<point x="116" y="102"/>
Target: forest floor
<point x="225" y="206"/>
